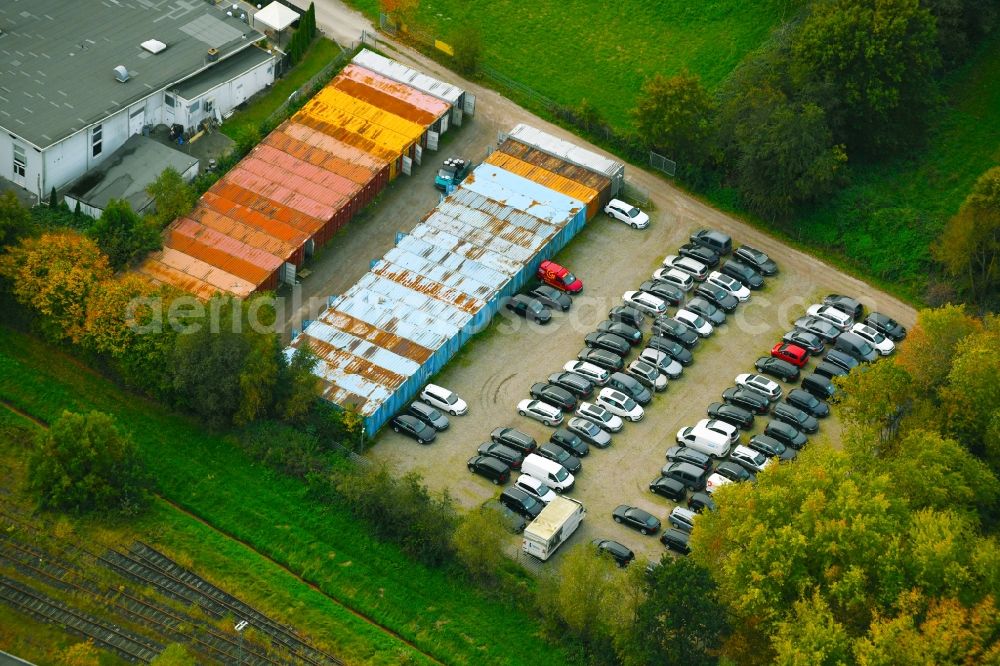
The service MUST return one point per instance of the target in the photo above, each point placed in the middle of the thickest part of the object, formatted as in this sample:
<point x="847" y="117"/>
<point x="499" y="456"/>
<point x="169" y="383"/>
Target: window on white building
<point x="194" y="107"/>
<point x="169" y="99"/>
<point x="20" y="161"/>
<point x="95" y="140"/>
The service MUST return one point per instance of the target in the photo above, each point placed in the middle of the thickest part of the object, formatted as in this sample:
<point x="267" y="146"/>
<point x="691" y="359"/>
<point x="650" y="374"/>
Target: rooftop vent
<point x="154" y="46"/>
<point x="213" y="55"/>
<point x="121" y="73"/>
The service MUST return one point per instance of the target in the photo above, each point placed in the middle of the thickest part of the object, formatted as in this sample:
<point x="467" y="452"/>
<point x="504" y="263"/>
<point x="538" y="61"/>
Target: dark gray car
<point x="714" y="315"/>
<point x="429" y="415"/>
<point x="552" y="298"/>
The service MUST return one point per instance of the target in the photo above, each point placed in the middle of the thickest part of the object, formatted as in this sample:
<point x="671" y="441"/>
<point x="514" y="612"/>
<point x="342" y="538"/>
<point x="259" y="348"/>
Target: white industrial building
<point x="77" y="79"/>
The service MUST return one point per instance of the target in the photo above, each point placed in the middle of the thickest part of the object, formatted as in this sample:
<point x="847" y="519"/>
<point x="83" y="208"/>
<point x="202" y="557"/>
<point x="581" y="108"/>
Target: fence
<point x="637" y="195"/>
<point x="663" y="164"/>
<point x="319" y="79"/>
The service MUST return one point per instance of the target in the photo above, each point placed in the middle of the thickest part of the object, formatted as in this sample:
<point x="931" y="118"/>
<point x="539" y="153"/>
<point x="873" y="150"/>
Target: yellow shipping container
<point x="387" y="129"/>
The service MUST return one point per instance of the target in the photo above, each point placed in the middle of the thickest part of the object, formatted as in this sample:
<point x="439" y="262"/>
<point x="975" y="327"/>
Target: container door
<point x="288" y="273"/>
<point x="444" y="123"/>
<point x="407" y="165"/>
<point x="432" y="140"/>
<point x="470" y="104"/>
<point x="418" y="154"/>
<point x="456" y="115"/>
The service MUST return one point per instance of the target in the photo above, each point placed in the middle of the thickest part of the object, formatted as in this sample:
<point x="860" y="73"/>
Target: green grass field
<point x="434" y="609"/>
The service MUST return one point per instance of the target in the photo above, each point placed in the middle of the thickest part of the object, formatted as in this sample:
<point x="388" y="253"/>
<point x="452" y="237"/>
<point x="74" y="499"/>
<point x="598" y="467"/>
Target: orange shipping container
<point x="401" y="91"/>
<point x="557" y="165"/>
<point x="221" y="251"/>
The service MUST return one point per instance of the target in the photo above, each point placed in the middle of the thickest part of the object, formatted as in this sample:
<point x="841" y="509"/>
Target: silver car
<point x="600" y="416"/>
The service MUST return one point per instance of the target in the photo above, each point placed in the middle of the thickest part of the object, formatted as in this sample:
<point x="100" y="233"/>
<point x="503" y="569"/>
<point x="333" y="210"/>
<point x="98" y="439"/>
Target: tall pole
<point x="240" y="626"/>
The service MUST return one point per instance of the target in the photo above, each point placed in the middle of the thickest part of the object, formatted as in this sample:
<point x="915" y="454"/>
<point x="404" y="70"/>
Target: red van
<point x="553" y="274"/>
<point x="794" y="354"/>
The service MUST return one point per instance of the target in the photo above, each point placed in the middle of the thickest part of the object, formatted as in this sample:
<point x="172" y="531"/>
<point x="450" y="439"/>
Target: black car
<point x="570" y="442"/>
<point x="489" y="467"/>
<point x="846" y="361"/>
<point x="601" y="358"/>
<point x="668" y="292"/>
<point x="747" y="399"/>
<point x="413" y="427"/>
<point x="504" y="454"/>
<point x="808" y="341"/>
<point x="846" y="304"/>
<point x="627" y="314"/>
<point x="558" y="454"/>
<point x="553" y="395"/>
<point x="830" y="370"/>
<point x="700" y="306"/>
<point x="608" y="341"/>
<point x="717" y="296"/>
<point x="698" y="502"/>
<point x="667" y="487"/>
<point x="521" y="503"/>
<point x="671" y="349"/>
<point x="772" y="448"/>
<point x="821" y="328"/>
<point x="676" y="540"/>
<point x="636" y="518"/>
<point x="746" y="275"/>
<point x="819" y="386"/>
<point x="786" y="434"/>
<point x="515" y="439"/>
<point x="615" y="550"/>
<point x="756" y="259"/>
<point x="630" y="333"/>
<point x="552" y="298"/>
<point x="775" y="367"/>
<point x="675" y="330"/>
<point x="528" y="307"/>
<point x="576" y="384"/>
<point x="738" y="416"/>
<point x="705" y="255"/>
<point x="716" y="241"/>
<point x="796" y="417"/>
<point x="808" y="403"/>
<point x="512" y="521"/>
<point x="432" y="417"/>
<point x="887" y="326"/>
<point x="688" y="455"/>
<point x="730" y="470"/>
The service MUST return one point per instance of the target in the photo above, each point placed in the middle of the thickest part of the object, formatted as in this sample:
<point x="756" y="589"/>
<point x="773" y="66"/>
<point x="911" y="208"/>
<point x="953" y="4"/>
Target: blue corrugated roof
<point x="527" y="195"/>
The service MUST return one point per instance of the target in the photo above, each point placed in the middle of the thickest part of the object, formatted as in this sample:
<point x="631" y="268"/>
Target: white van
<point x="550" y="473"/>
<point x="709" y="442"/>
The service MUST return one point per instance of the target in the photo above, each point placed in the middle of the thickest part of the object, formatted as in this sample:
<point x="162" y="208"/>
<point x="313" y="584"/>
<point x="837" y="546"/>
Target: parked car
<point x="716" y="481"/>
<point x="674" y="277"/>
<point x="627" y="315"/>
<point x="846" y="304"/>
<point x="551" y="473"/>
<point x="535" y="489"/>
<point x="616" y="551"/>
<point x="413" y="427"/>
<point x="663" y="362"/>
<point x="573" y="445"/>
<point x="712" y="314"/>
<point x="553" y="395"/>
<point x="806" y="340"/>
<point x="754" y="461"/>
<point x="830" y="370"/>
<point x="692" y="476"/>
<point x="619" y="404"/>
<point x="636" y="518"/>
<point x="589" y="432"/>
<point x="515" y="523"/>
<point x="717" y="296"/>
<point x="442" y="398"/>
<point x="692" y="267"/>
<point x="682" y="519"/>
<point x="528" y="307"/>
<point x="601" y="416"/>
<point x="724" y="428"/>
<point x="688" y="455"/>
<point x="622" y="330"/>
<point x="504" y="454"/>
<point x="555" y="453"/>
<point x="819" y="386"/>
<point x="808" y="403"/>
<point x="887" y="326"/>
<point x="734" y="472"/>
<point x="490" y="468"/>
<point x="595" y="374"/>
<point x="695" y="322"/>
<point x="844" y="360"/>
<point x="821" y="328"/>
<point x="676" y="541"/>
<point x="883" y="345"/>
<point x="786" y="434"/>
<point x="706" y="441"/>
<point x="856" y="347"/>
<point x="429" y="415"/>
<point x="647" y="374"/>
<point x="645" y="302"/>
<point x="758" y="260"/>
<point x="775" y="367"/>
<point x="731" y="414"/>
<point x="540" y="411"/>
<point x="521" y="503"/>
<point x="675" y="330"/>
<point x="789" y="353"/>
<point x="700" y="253"/>
<point x="515" y="439"/>
<point x="716" y="241"/>
<point x="601" y="358"/>
<point x="551" y="297"/>
<point x="732" y="285"/>
<point x="747" y="399"/>
<point x="745" y="274"/>
<point x="761" y="384"/>
<point x="831" y="314"/>
<point x="559" y="277"/>
<point x="630" y="215"/>
<point x="698" y="502"/>
<point x="671" y="348"/>
<point x="630" y="387"/>
<point x="670" y="294"/>
<point x="580" y="387"/>
<point x="668" y="487"/>
<point x="796" y="417"/>
<point x="771" y="447"/>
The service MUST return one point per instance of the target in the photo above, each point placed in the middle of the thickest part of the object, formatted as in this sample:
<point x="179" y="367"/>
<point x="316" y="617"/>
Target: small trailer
<point x="554" y="525"/>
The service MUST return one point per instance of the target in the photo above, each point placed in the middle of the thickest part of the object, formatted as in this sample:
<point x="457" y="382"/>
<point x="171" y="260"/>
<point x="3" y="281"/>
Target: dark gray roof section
<point x="127" y="172"/>
<point x="11" y="660"/>
<point x="57" y="58"/>
<point x="224" y="71"/>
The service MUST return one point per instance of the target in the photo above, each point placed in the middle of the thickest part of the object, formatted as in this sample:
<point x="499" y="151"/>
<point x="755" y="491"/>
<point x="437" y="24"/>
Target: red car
<point x="794" y="354"/>
<point x="553" y="274"/>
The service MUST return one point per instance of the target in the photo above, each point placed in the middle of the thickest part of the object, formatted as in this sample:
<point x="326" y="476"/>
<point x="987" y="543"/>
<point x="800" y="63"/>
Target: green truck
<point x="452" y="172"/>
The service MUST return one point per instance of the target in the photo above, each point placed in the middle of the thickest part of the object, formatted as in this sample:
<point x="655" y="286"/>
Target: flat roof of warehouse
<point x="227" y="70"/>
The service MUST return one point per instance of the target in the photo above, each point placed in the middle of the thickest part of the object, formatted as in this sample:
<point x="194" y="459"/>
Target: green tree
<point x="811" y="636"/>
<point x="84" y="463"/>
<point x="174" y="197"/>
<point x="174" y="655"/>
<point x="299" y="386"/>
<point x="675" y="116"/>
<point x="960" y="24"/>
<point x="122" y="235"/>
<point x="15" y="219"/>
<point x="930" y="347"/>
<point x="872" y="401"/>
<point x="479" y="542"/>
<point x="468" y="46"/>
<point x="972" y="395"/>
<point x="53" y="201"/>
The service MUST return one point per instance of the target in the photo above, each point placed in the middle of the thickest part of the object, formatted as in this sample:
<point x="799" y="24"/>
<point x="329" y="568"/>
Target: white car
<point x="645" y="302"/>
<point x="674" y="277"/>
<point x="535" y="488"/>
<point x="715" y="482"/>
<point x="443" y="399"/>
<point x="759" y="384"/>
<point x="540" y="411"/>
<point x="692" y="267"/>
<point x="695" y="322"/>
<point x="882" y="344"/>
<point x="594" y="373"/>
<point x="721" y="427"/>
<point x="601" y="416"/>
<point x="627" y="213"/>
<point x="662" y="362"/>
<point x="841" y="320"/>
<point x="754" y="461"/>
<point x="732" y="285"/>
<point x="620" y="404"/>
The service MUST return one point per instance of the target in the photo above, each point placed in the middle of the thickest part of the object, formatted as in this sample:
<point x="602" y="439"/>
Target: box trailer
<point x="554" y="525"/>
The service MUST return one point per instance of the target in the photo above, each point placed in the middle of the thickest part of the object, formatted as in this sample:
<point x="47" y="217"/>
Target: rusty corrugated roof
<point x="397" y="98"/>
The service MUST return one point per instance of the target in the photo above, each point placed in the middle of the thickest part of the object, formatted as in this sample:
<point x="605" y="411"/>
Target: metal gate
<point x="663" y="164"/>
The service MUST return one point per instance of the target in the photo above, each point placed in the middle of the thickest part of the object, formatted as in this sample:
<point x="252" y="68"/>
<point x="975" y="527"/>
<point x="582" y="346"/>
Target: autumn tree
<point x="80" y="654"/>
<point x="972" y="395"/>
<point x="674" y="115"/>
<point x="174" y="654"/>
<point x="174" y="197"/>
<point x="930" y="346"/>
<point x="402" y="11"/>
<point x="123" y="235"/>
<point x="15" y="219"/>
<point x="811" y="636"/>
